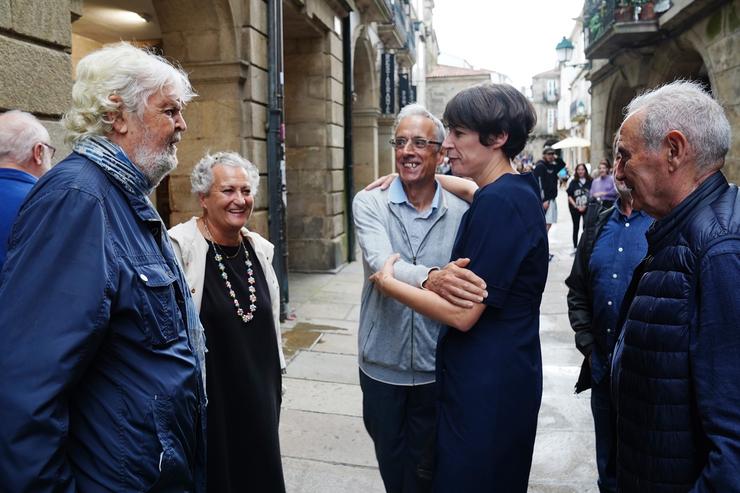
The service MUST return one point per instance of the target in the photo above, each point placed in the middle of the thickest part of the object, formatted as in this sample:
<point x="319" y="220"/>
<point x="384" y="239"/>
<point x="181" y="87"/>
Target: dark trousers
<point x="400" y="419"/>
<point x="606" y="438"/>
<point x="576" y="217"/>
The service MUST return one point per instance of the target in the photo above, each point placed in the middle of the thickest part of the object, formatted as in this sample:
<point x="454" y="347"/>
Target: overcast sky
<point x="514" y="37"/>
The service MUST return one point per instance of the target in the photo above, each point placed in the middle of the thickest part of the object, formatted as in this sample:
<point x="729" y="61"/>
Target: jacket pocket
<point x="168" y="468"/>
<point x="158" y="305"/>
<point x="387" y="345"/>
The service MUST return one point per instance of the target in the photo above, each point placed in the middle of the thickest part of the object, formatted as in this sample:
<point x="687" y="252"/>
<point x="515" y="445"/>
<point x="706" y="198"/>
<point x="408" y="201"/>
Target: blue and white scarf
<point x="115" y="163"/>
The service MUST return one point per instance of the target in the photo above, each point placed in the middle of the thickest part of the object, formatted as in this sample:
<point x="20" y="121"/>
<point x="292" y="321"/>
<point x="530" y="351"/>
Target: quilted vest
<point x="661" y="445"/>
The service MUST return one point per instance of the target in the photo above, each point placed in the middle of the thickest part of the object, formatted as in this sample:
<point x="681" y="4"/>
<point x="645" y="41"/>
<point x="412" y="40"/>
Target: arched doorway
<point x="365" y="113"/>
<point x="621" y="94"/>
<point x="206" y="47"/>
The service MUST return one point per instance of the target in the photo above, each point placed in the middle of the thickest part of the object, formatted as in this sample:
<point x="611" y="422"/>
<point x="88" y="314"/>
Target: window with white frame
<point x="552" y="115"/>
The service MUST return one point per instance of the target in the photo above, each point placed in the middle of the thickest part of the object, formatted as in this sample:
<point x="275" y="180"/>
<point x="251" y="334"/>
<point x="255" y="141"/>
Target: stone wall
<point x="708" y="51"/>
<point x="441" y="89"/>
<point x="35" y="41"/>
<point x="314" y="151"/>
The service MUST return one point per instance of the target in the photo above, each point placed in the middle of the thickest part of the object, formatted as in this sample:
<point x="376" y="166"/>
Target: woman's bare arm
<point x="425" y="302"/>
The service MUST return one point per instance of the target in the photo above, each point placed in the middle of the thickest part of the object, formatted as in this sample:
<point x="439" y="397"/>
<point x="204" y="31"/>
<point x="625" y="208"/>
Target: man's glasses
<point x="50" y="147"/>
<point x="418" y="143"/>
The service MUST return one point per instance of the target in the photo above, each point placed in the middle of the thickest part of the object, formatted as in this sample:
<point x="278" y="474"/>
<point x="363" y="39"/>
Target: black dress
<point x="243" y="380"/>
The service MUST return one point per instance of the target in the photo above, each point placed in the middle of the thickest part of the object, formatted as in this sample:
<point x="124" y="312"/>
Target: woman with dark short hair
<point x="489" y="364"/>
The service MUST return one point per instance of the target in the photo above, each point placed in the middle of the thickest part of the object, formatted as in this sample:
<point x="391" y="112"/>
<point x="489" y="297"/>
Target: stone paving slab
<point x="325" y="367"/>
<point x="322" y="397"/>
<point x="566" y="455"/>
<point x="332" y="325"/>
<point x="343" y="297"/>
<point x="559" y="380"/>
<point x="328" y="310"/>
<point x="557" y="339"/>
<point x="309" y="476"/>
<point x="561" y="356"/>
<point x="559" y="487"/>
<point x="565" y="412"/>
<point x="328" y="438"/>
<point x="338" y="343"/>
<point x="354" y="314"/>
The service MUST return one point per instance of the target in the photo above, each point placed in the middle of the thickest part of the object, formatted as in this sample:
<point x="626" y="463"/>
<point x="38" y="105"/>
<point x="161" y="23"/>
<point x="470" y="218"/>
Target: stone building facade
<point x="223" y="45"/>
<point x="545" y="98"/>
<point x="688" y="39"/>
<point x="574" y="106"/>
<point x="444" y="81"/>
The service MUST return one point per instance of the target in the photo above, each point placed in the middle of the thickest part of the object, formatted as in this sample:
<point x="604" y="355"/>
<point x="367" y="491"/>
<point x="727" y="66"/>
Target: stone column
<point x="365" y="146"/>
<point x="386" y="154"/>
<point x="314" y="152"/>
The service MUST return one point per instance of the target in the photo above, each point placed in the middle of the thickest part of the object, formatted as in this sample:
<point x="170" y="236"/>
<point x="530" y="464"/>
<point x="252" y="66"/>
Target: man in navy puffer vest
<point x="676" y="369"/>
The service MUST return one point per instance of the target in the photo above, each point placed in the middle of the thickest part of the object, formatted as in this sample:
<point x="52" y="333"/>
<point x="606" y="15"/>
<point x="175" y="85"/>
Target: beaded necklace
<point x="218" y="257"/>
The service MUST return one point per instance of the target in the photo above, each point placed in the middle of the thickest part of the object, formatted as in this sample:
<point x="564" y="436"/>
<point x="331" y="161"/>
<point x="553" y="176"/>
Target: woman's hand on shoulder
<point x="383" y="182"/>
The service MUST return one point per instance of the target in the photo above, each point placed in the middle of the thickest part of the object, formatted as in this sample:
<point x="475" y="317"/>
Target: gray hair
<point x="19" y="132"/>
<point x="415" y="109"/>
<point x="120" y="69"/>
<point x="684" y="106"/>
<point x="201" y="178"/>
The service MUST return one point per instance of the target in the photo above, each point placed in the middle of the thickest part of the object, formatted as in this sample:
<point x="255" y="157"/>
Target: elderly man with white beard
<point x="102" y="382"/>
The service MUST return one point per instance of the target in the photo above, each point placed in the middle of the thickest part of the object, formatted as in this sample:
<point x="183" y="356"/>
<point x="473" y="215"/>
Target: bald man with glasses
<point x="25" y="155"/>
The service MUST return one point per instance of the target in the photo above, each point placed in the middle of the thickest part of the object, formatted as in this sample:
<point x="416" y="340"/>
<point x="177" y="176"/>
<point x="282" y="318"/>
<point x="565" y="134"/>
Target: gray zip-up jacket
<point x="396" y="344"/>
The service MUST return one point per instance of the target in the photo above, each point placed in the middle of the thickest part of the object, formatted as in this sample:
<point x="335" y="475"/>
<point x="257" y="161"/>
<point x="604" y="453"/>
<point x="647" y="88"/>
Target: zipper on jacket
<point x="441" y="213"/>
<point x="413" y="347"/>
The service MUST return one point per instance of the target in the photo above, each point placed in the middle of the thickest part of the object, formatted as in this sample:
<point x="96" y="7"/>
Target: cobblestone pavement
<point x="324" y="444"/>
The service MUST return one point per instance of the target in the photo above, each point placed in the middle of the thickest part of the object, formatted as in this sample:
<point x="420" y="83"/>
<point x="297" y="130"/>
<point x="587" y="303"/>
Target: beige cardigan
<point x="191" y="249"/>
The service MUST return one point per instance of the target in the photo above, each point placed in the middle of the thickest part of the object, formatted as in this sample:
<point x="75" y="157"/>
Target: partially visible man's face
<point x="639" y="168"/>
<point x="155" y="135"/>
<point x="549" y="156"/>
<point x="417" y="166"/>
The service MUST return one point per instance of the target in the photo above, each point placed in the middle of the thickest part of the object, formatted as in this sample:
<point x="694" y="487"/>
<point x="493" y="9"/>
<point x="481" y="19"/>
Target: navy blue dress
<point x="490" y="378"/>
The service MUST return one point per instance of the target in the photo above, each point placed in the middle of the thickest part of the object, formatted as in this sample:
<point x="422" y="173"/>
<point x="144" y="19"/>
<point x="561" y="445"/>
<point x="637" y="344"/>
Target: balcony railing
<point x="376" y="10"/>
<point x="399" y="34"/>
<point x="612" y="24"/>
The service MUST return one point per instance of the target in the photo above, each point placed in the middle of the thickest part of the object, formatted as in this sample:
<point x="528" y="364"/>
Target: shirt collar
<point x="618" y="212"/>
<point x="18" y="175"/>
<point x="397" y="195"/>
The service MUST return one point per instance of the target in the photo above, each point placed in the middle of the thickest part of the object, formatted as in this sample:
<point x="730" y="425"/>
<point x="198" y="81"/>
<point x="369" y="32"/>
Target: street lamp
<point x="564" y="50"/>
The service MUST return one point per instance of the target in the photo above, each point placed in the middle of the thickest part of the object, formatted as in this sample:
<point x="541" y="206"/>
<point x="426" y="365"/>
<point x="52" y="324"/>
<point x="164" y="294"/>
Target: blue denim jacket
<point x="101" y="381"/>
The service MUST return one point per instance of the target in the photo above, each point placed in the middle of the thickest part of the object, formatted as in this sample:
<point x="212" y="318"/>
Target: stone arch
<point x="681" y="60"/>
<point x="209" y="48"/>
<point x="365" y="113"/>
<point x="619" y="96"/>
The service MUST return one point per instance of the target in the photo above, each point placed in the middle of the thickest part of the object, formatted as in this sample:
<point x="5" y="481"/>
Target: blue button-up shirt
<point x="621" y="245"/>
<point x="418" y="223"/>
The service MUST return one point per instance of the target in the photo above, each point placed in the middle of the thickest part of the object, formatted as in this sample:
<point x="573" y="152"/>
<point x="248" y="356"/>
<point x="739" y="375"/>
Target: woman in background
<point x="602" y="187"/>
<point x="578" y="192"/>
